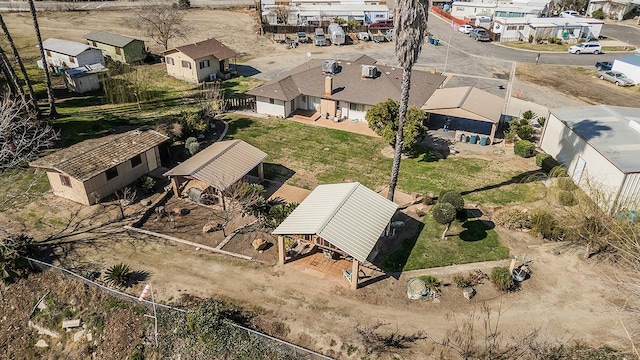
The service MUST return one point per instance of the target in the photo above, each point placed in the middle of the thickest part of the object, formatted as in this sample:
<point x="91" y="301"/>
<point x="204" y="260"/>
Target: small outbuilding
<point x="217" y="167"/>
<point x="93" y="169"/>
<point x="471" y="110"/>
<point x="345" y="218"/>
<point x="628" y="65"/>
<point x="84" y="78"/>
<point x="599" y="145"/>
<point x="201" y="61"/>
<point x="65" y="54"/>
<point x="118" y="47"/>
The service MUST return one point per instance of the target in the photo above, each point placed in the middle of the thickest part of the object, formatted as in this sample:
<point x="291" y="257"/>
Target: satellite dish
<point x="308" y="56"/>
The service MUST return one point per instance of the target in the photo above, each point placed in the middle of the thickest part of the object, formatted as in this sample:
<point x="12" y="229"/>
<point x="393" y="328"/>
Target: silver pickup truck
<point x="479" y="35"/>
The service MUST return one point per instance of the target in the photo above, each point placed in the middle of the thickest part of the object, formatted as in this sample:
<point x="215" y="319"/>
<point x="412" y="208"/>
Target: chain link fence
<point x="257" y="337"/>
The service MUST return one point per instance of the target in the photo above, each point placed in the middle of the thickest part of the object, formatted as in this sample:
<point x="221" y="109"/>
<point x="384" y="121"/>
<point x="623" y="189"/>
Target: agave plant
<point x="118" y="275"/>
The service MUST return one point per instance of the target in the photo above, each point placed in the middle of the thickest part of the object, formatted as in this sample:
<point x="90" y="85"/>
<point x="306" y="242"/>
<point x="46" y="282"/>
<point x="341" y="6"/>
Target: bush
<point x="525" y="131"/>
<point x="597" y="14"/>
<point x="146" y="183"/>
<point x="432" y="282"/>
<point x="524" y="148"/>
<point x="501" y="278"/>
<point x="513" y="219"/>
<point x="558" y="172"/>
<point x="529" y="115"/>
<point x="567" y="198"/>
<point x="541" y="157"/>
<point x="443" y="213"/>
<point x="119" y="275"/>
<point x="461" y="281"/>
<point x="184" y="4"/>
<point x="545" y="224"/>
<point x="427" y="200"/>
<point x="452" y="198"/>
<point x="541" y="120"/>
<point x="353" y="24"/>
<point x="566" y="184"/>
<point x="192" y="145"/>
<point x="193" y="123"/>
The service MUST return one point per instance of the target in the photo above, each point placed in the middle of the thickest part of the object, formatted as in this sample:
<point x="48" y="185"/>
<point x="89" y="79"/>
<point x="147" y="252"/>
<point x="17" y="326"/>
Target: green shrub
<point x="501" y="278"/>
<point x="192" y="145"/>
<point x="146" y="183"/>
<point x="119" y="275"/>
<point x="541" y="157"/>
<point x="432" y="282"/>
<point x="597" y="14"/>
<point x="353" y="24"/>
<point x="339" y="21"/>
<point x="545" y="224"/>
<point x="546" y="162"/>
<point x="525" y="132"/>
<point x="461" y="281"/>
<point x="524" y="148"/>
<point x="529" y="115"/>
<point x="193" y="123"/>
<point x="443" y="213"/>
<point x="541" y="120"/>
<point x="558" y="171"/>
<point x="566" y="184"/>
<point x="452" y="198"/>
<point x="567" y="198"/>
<point x="513" y="219"/>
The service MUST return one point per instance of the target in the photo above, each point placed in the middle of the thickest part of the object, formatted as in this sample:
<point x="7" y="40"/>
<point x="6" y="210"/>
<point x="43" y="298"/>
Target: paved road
<point x="625" y="33"/>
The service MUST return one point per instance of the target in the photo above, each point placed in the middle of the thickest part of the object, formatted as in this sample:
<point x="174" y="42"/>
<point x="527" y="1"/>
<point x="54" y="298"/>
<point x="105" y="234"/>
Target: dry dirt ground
<point x="567" y="298"/>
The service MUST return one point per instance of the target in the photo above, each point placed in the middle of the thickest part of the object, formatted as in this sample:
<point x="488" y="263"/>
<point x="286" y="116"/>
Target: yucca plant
<point x="119" y="275"/>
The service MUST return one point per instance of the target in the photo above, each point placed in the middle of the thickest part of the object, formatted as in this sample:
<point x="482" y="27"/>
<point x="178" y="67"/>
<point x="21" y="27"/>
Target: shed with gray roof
<point x="599" y="145"/>
<point x="347" y="218"/>
<point x="67" y="54"/>
<point x="118" y="47"/>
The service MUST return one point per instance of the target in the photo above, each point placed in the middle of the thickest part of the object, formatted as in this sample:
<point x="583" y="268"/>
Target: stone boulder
<point x="260" y="244"/>
<point x="211" y="227"/>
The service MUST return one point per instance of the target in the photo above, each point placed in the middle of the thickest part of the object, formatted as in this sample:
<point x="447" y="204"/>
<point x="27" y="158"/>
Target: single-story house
<point x="614" y="9"/>
<point x="84" y="78"/>
<point x="470" y="110"/>
<point x="201" y="61"/>
<point x="340" y="89"/>
<point x="65" y="54"/>
<point x="312" y="12"/>
<point x="118" y="47"/>
<point x="217" y="167"/>
<point x="629" y="65"/>
<point x="348" y="219"/>
<point x="568" y="29"/>
<point x="90" y="170"/>
<point x="599" y="145"/>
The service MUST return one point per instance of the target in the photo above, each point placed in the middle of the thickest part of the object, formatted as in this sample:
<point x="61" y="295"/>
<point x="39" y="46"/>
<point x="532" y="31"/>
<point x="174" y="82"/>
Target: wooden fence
<point x="247" y="103"/>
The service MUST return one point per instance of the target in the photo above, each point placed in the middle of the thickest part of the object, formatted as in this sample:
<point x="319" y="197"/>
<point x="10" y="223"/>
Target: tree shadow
<point x="394" y="250"/>
<point x="476" y="230"/>
<point x="138" y="276"/>
<point x="522" y="178"/>
<point x="237" y="124"/>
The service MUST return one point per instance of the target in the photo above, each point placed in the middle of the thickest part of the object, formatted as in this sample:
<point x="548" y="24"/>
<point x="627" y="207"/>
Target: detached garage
<point x="599" y="145"/>
<point x="628" y="65"/>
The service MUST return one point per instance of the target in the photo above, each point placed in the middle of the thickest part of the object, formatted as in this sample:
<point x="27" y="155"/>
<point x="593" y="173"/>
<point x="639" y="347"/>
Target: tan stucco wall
<point x="195" y="74"/>
<point x="76" y="192"/>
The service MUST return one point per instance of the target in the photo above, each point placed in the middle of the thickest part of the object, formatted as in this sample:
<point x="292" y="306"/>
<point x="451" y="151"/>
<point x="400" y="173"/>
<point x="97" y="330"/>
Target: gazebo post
<point x="261" y="172"/>
<point x="494" y="126"/>
<point x="281" y="256"/>
<point x="355" y="270"/>
<point x="175" y="186"/>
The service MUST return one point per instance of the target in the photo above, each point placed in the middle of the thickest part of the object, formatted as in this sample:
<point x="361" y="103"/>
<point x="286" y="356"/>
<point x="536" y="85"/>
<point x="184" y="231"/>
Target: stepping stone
<point x="41" y="344"/>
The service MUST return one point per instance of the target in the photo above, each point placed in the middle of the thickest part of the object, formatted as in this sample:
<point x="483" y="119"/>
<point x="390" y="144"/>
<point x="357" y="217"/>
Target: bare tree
<point x="237" y="201"/>
<point x="22" y="135"/>
<point x="161" y="21"/>
<point x="410" y="26"/>
<point x="374" y="341"/>
<point x="23" y="70"/>
<point x="213" y="100"/>
<point x="126" y="196"/>
<point x="52" y="101"/>
<point x="10" y="74"/>
<point x="281" y="13"/>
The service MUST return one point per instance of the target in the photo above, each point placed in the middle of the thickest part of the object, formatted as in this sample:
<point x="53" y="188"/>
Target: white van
<point x="319" y="38"/>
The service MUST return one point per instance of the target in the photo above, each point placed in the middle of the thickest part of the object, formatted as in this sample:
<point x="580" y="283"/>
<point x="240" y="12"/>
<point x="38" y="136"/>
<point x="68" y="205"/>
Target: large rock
<point x="260" y="244"/>
<point x="210" y="227"/>
<point x="41" y="344"/>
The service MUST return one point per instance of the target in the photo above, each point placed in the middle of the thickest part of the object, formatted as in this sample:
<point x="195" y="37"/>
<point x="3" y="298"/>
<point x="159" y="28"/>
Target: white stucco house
<point x="568" y="29"/>
<point x="628" y="65"/>
<point x="340" y="89"/>
<point x="67" y="54"/>
<point x="614" y="9"/>
<point x="599" y="145"/>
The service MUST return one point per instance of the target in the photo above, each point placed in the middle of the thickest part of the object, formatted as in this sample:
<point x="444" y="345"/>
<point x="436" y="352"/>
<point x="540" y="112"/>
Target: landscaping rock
<point x="180" y="211"/>
<point x="89" y="336"/>
<point x="210" y="227"/>
<point x="468" y="292"/>
<point x="42" y="305"/>
<point x="77" y="336"/>
<point x="68" y="324"/>
<point x="260" y="244"/>
<point x="41" y="344"/>
<point x="145" y="202"/>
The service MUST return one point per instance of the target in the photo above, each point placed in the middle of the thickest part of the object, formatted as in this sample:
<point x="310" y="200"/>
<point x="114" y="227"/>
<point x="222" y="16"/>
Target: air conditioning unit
<point x="369" y="71"/>
<point x="213" y="76"/>
<point x="329" y="66"/>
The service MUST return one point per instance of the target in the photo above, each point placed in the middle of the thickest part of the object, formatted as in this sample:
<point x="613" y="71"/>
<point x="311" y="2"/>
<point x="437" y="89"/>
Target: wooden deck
<point x="317" y="265"/>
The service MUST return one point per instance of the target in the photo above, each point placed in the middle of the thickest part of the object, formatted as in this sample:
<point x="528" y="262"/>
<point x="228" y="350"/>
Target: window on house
<point x="118" y="51"/>
<point x="94" y="43"/>
<point x="136" y="160"/>
<point x="186" y="64"/>
<point x="65" y="181"/>
<point x="111" y="173"/>
<point x="356" y="107"/>
<point x="304" y="98"/>
<point x="48" y="53"/>
<point x="521" y="27"/>
<point x="205" y="64"/>
<point x="512" y="27"/>
<point x="169" y="60"/>
<point x="272" y="101"/>
<point x="71" y="58"/>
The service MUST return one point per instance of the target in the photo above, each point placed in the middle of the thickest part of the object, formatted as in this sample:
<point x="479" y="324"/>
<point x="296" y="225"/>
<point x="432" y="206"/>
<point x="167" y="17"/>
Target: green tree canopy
<point x="383" y="119"/>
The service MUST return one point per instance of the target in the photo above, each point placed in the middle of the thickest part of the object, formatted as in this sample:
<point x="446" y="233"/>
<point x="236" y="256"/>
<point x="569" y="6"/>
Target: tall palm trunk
<point x="410" y="25"/>
<point x="52" y="101"/>
<point x="16" y="55"/>
<point x="10" y="74"/>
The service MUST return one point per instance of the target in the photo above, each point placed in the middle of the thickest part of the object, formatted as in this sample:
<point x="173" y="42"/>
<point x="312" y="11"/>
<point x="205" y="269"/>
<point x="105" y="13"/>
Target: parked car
<point x="569" y="14"/>
<point x="479" y="35"/>
<point x="604" y="65"/>
<point x="465" y="29"/>
<point x="586" y="48"/>
<point x="302" y="37"/>
<point x="616" y="77"/>
<point x="381" y="24"/>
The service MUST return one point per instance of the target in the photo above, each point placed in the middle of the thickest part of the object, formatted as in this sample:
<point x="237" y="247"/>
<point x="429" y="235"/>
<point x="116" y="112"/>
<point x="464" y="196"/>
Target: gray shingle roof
<point x="221" y="164"/>
<point x="89" y="158"/>
<point x="348" y="83"/>
<point x="466" y="102"/>
<point x="109" y="38"/>
<point x="350" y="216"/>
<point x="612" y="130"/>
<point x="65" y="46"/>
<point x="631" y="59"/>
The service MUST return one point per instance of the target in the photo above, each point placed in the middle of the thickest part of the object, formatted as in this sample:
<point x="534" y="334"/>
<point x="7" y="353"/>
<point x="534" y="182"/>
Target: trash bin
<point x="461" y="138"/>
<point x="483" y="141"/>
<point x="436" y="42"/>
<point x="431" y="40"/>
<point x="473" y="139"/>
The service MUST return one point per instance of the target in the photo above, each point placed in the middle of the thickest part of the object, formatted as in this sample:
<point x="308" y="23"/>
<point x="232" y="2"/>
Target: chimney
<point x="328" y="86"/>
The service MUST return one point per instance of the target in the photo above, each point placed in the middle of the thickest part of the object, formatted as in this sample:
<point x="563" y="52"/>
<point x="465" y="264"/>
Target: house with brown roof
<point x="201" y="61"/>
<point x="90" y="170"/>
<point x="340" y="89"/>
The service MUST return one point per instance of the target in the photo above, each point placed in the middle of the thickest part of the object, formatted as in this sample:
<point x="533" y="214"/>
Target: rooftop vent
<point x="634" y="125"/>
<point x="329" y="66"/>
<point x="369" y="71"/>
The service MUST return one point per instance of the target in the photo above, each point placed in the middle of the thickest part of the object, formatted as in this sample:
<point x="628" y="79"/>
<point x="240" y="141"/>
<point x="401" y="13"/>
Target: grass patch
<point x="20" y="187"/>
<point x="537" y="47"/>
<point x="237" y="86"/>
<point x="468" y="242"/>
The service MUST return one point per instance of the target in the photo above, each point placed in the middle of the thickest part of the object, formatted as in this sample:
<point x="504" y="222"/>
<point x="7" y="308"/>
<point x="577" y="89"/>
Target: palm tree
<point x="52" y="101"/>
<point x="12" y="79"/>
<point x="410" y="26"/>
<point x="16" y="55"/>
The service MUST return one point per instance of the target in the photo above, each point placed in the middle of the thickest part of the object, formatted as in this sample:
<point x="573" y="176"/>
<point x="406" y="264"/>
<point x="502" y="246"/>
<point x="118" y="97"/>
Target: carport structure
<point x="218" y="166"/>
<point x="348" y="219"/>
<point x="472" y="111"/>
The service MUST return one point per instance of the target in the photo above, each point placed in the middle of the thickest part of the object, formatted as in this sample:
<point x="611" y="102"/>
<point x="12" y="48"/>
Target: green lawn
<point x="471" y="241"/>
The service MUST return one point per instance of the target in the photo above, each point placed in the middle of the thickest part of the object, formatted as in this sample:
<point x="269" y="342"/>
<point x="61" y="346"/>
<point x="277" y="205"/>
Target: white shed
<point x="84" y="78"/>
<point x="629" y="65"/>
<point x="70" y="54"/>
<point x="599" y="145"/>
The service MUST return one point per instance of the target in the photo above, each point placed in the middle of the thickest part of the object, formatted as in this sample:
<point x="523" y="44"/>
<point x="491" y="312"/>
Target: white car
<point x="465" y="29"/>
<point x="569" y="14"/>
<point x="586" y="48"/>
